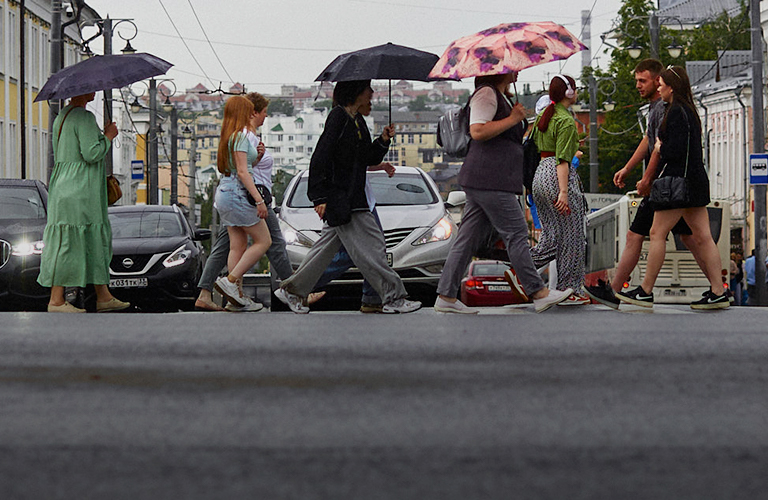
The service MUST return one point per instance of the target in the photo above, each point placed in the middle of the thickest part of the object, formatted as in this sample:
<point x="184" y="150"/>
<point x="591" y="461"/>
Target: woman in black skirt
<point x="679" y="145"/>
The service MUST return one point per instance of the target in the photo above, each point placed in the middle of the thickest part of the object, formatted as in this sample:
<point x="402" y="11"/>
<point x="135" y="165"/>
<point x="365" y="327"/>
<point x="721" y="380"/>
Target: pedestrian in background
<point x="557" y="192"/>
<point x="679" y="148"/>
<point x="749" y="271"/>
<point x="491" y="177"/>
<point x="236" y="155"/>
<point x="337" y="188"/>
<point x="277" y="255"/>
<point x="78" y="237"/>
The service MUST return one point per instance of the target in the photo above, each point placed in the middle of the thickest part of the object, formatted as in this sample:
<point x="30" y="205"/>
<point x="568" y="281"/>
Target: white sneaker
<point x="294" y="302"/>
<point x="251" y="307"/>
<point x="401" y="306"/>
<point x="230" y="290"/>
<point x="554" y="297"/>
<point x="459" y="307"/>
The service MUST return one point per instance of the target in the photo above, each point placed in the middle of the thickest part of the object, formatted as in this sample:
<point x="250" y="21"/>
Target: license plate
<point x="499" y="288"/>
<point x="674" y="293"/>
<point x="390" y="259"/>
<point x="128" y="283"/>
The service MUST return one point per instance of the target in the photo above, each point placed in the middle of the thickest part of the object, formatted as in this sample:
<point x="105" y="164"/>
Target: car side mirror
<point x="202" y="234"/>
<point x="277" y="209"/>
<point x="456" y="198"/>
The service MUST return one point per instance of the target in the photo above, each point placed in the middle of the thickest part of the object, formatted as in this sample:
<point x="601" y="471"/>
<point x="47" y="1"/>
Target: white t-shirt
<point x="482" y="107"/>
<point x="262" y="171"/>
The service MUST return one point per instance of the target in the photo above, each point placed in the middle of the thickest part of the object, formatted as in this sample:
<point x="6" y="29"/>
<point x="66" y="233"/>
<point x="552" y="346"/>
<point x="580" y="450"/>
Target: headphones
<point x="569" y="92"/>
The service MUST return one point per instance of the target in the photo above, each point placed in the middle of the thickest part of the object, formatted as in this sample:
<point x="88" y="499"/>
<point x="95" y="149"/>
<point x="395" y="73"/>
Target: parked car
<point x="485" y="285"/>
<point x="23" y="215"/>
<point x="157" y="257"/>
<point x="418" y="230"/>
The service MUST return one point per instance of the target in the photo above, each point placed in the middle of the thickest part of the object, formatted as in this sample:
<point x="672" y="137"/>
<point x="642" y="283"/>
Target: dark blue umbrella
<point x="383" y="62"/>
<point x="101" y="73"/>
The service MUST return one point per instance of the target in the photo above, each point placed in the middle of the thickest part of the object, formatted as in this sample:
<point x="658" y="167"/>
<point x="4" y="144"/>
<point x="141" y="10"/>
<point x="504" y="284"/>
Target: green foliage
<point x="280" y="180"/>
<point x="418" y="104"/>
<point x="325" y="103"/>
<point x="722" y="33"/>
<point x="284" y="106"/>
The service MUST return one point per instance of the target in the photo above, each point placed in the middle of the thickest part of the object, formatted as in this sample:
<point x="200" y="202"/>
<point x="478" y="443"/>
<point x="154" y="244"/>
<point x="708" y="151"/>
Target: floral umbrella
<point x="506" y="48"/>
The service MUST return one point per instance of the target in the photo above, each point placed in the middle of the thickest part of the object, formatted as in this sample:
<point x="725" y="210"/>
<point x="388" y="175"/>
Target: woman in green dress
<point x="78" y="238"/>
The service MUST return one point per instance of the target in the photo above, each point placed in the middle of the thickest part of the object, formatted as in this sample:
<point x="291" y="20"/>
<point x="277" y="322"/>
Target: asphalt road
<point x="570" y="404"/>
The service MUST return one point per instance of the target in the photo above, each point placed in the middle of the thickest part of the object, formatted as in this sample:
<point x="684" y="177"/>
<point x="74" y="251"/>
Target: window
<point x="276" y="149"/>
<point x="290" y="137"/>
<point x="309" y="149"/>
<point x="214" y="156"/>
<point x="14" y="52"/>
<point x="145" y="225"/>
<point x="197" y="156"/>
<point x="210" y="142"/>
<point x="21" y="202"/>
<point x="2" y="37"/>
<point x="410" y="138"/>
<point x="290" y="150"/>
<point x="309" y="137"/>
<point x="299" y="149"/>
<point x="181" y="144"/>
<point x="280" y="138"/>
<point x="421" y="139"/>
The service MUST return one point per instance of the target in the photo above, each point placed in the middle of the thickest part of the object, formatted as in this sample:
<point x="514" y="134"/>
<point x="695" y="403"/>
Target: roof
<point x="698" y="11"/>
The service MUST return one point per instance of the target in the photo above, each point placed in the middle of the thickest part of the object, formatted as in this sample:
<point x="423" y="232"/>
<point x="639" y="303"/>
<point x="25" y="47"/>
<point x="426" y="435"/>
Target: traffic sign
<point x="137" y="169"/>
<point x="758" y="168"/>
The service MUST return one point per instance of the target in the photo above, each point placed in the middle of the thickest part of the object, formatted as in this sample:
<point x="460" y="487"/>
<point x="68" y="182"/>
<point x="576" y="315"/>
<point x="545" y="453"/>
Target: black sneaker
<point x="728" y="293"/>
<point x="604" y="294"/>
<point x="637" y="297"/>
<point x="712" y="301"/>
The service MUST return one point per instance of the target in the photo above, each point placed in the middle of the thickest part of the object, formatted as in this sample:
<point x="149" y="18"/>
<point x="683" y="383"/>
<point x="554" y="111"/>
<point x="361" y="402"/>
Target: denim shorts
<point x="232" y="204"/>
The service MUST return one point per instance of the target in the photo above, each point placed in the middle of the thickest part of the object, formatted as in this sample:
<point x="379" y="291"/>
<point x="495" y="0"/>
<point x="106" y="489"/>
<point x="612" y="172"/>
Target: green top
<point x="561" y="136"/>
<point x="243" y="145"/>
<point x="77" y="237"/>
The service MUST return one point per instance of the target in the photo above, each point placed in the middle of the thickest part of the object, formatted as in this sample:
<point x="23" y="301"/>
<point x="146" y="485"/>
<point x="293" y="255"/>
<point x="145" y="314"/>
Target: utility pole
<point x="586" y="58"/>
<point x="23" y="88"/>
<point x="153" y="180"/>
<point x="56" y="46"/>
<point x="108" y="161"/>
<point x="192" y="175"/>
<point x="174" y="157"/>
<point x="654" y="30"/>
<point x="758" y="137"/>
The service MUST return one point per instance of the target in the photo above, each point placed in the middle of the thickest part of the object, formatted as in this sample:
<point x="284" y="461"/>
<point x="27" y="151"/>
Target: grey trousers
<point x="217" y="260"/>
<point x="365" y="243"/>
<point x="484" y="211"/>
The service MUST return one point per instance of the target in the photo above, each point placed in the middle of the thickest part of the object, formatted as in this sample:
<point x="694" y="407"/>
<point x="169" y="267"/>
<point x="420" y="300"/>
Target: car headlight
<point x="439" y="232"/>
<point x="24" y="249"/>
<point x="178" y="257"/>
<point x="294" y="237"/>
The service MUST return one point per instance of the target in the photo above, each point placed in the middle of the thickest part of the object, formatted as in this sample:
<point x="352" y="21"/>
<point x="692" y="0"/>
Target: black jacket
<point x="338" y="165"/>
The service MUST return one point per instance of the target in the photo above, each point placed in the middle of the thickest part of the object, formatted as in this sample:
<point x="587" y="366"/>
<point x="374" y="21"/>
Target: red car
<point x="485" y="285"/>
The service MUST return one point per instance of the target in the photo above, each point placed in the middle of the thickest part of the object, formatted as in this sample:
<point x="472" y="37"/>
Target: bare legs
<point x="708" y="256"/>
<point x="242" y="257"/>
<point x="628" y="260"/>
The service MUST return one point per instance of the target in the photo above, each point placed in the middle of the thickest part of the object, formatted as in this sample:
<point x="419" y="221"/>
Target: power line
<point x="184" y="41"/>
<point x="209" y="41"/>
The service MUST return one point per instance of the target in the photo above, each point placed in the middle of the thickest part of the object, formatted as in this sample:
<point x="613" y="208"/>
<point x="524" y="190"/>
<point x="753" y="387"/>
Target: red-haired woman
<point x="557" y="191"/>
<point x="235" y="157"/>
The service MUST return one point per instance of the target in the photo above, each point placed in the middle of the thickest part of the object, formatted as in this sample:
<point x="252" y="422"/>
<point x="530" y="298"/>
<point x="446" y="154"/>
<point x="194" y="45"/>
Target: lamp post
<point x="654" y="31"/>
<point x="192" y="134"/>
<point x="107" y="27"/>
<point x="594" y="164"/>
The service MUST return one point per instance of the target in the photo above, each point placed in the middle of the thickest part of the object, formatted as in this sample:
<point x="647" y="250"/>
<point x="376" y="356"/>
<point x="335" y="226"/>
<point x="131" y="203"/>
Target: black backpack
<point x="531" y="159"/>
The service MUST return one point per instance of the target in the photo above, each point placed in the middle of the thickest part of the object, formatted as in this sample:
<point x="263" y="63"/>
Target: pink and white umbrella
<point x="506" y="48"/>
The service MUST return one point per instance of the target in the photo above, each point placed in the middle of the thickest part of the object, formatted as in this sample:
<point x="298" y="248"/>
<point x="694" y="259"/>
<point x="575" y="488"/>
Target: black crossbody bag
<point x="672" y="192"/>
<point x="265" y="195"/>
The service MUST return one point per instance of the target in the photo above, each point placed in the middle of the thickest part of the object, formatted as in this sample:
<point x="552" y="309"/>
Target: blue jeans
<point x="341" y="263"/>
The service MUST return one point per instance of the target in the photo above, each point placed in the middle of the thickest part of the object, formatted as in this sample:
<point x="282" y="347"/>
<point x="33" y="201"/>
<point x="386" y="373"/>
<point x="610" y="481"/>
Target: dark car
<point x="157" y="257"/>
<point x="23" y="214"/>
<point x="485" y="285"/>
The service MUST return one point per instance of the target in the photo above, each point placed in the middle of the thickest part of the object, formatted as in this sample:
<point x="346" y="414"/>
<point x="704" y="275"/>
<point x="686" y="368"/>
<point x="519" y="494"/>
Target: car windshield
<point x="145" y="225"/>
<point x="401" y="189"/>
<point x="21" y="202"/>
<point x="494" y="269"/>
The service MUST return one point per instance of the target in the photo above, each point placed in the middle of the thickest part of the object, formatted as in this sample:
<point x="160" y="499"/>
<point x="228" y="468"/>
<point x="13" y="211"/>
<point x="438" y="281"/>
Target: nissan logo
<point x="127" y="262"/>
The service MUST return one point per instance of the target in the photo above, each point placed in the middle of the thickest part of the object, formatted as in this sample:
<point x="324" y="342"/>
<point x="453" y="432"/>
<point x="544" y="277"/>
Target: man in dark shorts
<point x="647" y="83"/>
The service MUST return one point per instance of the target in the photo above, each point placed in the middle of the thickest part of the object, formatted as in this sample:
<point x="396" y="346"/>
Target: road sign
<point x="758" y="169"/>
<point x="137" y="169"/>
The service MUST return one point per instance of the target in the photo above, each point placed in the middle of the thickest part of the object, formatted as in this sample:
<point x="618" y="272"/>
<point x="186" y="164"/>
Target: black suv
<point x="23" y="214"/>
<point x="157" y="257"/>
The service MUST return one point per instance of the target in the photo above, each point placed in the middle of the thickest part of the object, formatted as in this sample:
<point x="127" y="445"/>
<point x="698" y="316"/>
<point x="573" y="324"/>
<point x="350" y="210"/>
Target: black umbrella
<point x="383" y="62"/>
<point x="101" y="73"/>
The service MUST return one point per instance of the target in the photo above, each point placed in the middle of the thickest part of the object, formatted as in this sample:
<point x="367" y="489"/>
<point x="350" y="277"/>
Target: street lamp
<point x="654" y="30"/>
<point x="595" y="85"/>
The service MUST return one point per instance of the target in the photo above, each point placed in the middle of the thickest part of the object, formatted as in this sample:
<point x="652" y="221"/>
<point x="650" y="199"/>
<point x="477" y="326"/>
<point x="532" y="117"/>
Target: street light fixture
<point x="654" y="27"/>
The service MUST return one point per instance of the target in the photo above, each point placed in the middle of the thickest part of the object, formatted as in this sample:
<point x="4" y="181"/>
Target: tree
<point x="620" y="134"/>
<point x="284" y="106"/>
<point x="280" y="180"/>
<point x="418" y="104"/>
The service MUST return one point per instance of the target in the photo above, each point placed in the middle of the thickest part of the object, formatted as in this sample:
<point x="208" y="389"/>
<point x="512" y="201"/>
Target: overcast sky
<point x="264" y="44"/>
